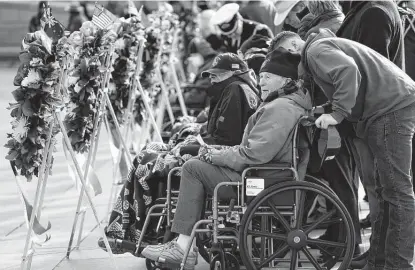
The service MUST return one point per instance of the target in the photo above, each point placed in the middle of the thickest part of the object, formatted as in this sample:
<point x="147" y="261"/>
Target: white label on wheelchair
<point x="254" y="186"/>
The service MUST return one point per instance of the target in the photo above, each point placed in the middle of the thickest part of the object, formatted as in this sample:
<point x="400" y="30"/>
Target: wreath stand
<point x="129" y="121"/>
<point x="101" y="116"/>
<point x="29" y="249"/>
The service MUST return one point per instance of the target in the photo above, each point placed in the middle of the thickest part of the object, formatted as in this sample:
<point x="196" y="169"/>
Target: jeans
<point x="389" y="138"/>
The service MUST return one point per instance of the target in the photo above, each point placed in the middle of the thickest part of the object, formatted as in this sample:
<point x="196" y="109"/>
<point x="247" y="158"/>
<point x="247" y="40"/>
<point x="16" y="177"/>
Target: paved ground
<point x="59" y="207"/>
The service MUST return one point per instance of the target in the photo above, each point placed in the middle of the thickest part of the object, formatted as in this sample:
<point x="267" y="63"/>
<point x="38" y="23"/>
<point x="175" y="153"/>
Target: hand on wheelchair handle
<point x="325" y="120"/>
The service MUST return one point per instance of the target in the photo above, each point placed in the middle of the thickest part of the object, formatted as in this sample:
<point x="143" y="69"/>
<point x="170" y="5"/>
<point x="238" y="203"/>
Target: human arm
<point x="332" y="66"/>
<point x="263" y="142"/>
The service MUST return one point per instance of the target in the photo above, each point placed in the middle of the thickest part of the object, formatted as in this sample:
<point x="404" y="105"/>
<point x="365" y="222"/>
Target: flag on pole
<point x="102" y="18"/>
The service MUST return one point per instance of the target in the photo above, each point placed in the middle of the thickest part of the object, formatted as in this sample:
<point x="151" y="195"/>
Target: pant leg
<point x="367" y="170"/>
<point x="340" y="173"/>
<point x="198" y="179"/>
<point x="390" y="140"/>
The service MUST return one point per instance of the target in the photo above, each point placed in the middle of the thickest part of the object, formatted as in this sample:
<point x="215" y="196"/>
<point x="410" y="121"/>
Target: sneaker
<point x="171" y="254"/>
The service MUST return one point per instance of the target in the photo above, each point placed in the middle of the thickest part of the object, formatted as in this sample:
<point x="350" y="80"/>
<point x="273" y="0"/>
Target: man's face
<point x="292" y="44"/>
<point x="270" y="82"/>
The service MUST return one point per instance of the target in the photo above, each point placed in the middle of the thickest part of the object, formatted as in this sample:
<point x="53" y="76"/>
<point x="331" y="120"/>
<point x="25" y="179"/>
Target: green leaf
<point x="27" y="108"/>
<point x="13" y="154"/>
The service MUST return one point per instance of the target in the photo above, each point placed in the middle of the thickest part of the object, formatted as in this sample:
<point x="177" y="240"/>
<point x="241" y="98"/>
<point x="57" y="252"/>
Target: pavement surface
<point x="59" y="207"/>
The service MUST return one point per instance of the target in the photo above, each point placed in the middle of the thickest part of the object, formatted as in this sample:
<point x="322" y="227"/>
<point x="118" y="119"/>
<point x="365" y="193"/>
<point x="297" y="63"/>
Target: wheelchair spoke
<point x="273" y="256"/>
<point x="319" y="221"/>
<point x="294" y="259"/>
<point x="279" y="216"/>
<point x="267" y="234"/>
<point x="301" y="209"/>
<point x="326" y="243"/>
<point x="311" y="258"/>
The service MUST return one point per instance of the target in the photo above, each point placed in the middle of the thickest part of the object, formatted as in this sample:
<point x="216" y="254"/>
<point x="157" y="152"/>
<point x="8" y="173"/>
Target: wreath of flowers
<point x="163" y="24"/>
<point x="126" y="51"/>
<point x="88" y="50"/>
<point x="32" y="113"/>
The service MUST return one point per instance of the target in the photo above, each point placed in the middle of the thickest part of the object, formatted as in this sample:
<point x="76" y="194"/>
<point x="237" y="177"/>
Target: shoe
<point x="170" y="254"/>
<point x="365" y="223"/>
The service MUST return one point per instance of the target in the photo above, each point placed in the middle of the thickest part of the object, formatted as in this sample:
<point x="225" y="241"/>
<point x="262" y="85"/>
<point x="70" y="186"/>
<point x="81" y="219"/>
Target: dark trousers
<point x="341" y="174"/>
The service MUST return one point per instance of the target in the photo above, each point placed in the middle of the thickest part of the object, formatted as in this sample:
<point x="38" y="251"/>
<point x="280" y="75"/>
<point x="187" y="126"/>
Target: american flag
<point x="102" y="18"/>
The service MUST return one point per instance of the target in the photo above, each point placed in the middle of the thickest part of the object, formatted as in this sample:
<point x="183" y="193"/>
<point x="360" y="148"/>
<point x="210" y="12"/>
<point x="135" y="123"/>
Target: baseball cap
<point x="226" y="62"/>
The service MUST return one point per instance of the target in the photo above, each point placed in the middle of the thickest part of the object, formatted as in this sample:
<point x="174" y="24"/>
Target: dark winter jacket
<point x="233" y="101"/>
<point x="376" y="24"/>
<point x="361" y="84"/>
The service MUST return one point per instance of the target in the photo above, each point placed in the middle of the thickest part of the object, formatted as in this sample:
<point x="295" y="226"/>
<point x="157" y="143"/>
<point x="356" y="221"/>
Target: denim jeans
<point x="390" y="140"/>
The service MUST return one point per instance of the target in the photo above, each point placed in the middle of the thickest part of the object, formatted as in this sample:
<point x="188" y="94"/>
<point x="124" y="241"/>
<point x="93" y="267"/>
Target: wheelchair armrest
<point x="270" y="166"/>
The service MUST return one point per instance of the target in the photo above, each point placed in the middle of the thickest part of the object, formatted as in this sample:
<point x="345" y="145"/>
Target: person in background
<point x="261" y="11"/>
<point x="289" y="15"/>
<point x="76" y="16"/>
<point x="89" y="8"/>
<point x="235" y="30"/>
<point x="254" y="51"/>
<point x="376" y="24"/>
<point x="325" y="14"/>
<point x="34" y="24"/>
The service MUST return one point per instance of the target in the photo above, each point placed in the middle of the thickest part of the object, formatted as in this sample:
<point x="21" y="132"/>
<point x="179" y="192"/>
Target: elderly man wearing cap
<point x="267" y="139"/>
<point x="234" y="29"/>
<point x="234" y="98"/>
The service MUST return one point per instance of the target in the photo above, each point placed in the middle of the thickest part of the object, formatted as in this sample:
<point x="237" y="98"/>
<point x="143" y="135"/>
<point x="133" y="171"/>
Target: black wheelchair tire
<point x="297" y="185"/>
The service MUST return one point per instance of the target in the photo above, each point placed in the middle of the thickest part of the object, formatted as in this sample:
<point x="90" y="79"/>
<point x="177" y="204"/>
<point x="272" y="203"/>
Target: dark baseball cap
<point x="226" y="62"/>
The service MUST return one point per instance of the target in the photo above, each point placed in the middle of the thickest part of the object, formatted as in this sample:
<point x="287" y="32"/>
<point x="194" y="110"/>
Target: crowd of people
<point x="260" y="66"/>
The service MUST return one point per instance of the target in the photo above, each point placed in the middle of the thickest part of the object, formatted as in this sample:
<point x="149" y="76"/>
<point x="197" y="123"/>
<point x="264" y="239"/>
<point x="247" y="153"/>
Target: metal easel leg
<point x="94" y="149"/>
<point x="88" y="195"/>
<point x="178" y="89"/>
<point x="37" y="205"/>
<point x="80" y="211"/>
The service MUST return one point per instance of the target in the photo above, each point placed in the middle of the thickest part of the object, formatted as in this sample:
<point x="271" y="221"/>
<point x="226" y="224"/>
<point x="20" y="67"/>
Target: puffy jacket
<point x="268" y="135"/>
<point x="361" y="84"/>
<point x="233" y="101"/>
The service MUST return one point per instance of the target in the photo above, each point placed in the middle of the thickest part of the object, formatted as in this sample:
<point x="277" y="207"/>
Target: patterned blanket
<point x="150" y="167"/>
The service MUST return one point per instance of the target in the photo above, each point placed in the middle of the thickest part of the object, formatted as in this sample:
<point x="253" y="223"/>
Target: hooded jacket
<point x="268" y="135"/>
<point x="361" y="84"/>
<point x="233" y="101"/>
<point x="376" y="24"/>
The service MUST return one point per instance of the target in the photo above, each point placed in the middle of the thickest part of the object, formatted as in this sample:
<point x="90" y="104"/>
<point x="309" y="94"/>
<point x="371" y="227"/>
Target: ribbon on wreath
<point x="93" y="183"/>
<point x="38" y="229"/>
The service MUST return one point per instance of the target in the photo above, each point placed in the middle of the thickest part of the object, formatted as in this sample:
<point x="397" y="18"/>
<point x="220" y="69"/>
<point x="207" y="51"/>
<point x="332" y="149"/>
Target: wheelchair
<point x="267" y="226"/>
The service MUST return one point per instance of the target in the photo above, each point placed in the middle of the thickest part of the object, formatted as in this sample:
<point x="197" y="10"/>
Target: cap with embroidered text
<point x="226" y="62"/>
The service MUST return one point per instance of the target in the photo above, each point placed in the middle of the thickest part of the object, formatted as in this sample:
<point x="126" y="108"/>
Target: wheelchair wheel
<point x="231" y="262"/>
<point x="293" y="235"/>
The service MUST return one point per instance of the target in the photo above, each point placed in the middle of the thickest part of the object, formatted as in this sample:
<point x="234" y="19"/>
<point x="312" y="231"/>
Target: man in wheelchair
<point x="267" y="139"/>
